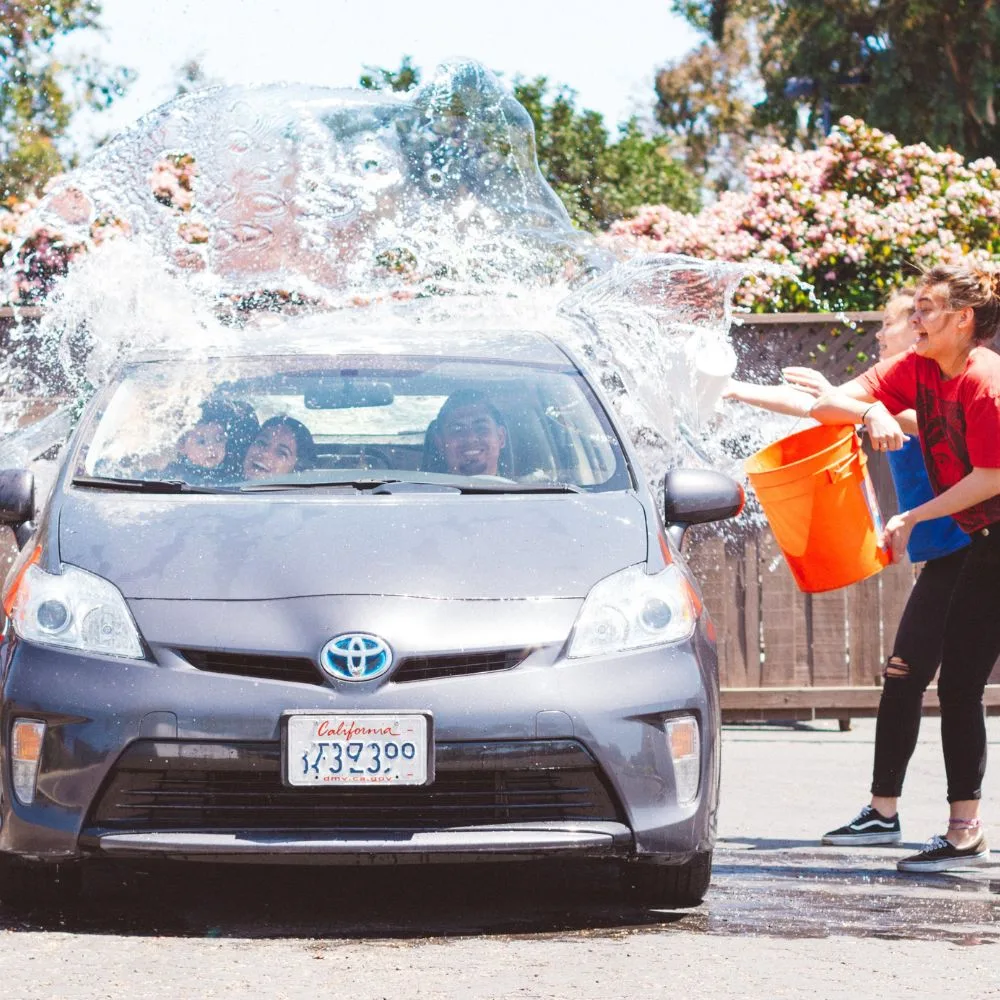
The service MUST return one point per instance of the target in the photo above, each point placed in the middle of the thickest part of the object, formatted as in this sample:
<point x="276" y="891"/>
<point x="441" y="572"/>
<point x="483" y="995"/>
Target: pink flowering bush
<point x="853" y="219"/>
<point x="12" y="221"/>
<point x="172" y="181"/>
<point x="37" y="253"/>
<point x="850" y="220"/>
<point x="43" y="253"/>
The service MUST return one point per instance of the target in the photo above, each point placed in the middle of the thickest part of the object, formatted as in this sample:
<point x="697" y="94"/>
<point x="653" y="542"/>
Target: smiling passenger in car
<point x="283" y="445"/>
<point x="212" y="451"/>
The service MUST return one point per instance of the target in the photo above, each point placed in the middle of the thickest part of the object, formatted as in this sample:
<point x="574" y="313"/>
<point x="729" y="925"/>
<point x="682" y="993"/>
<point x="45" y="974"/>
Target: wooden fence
<point x="784" y="654"/>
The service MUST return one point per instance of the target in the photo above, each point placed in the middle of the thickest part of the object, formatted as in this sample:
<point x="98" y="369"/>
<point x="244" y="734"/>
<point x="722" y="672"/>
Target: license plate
<point x="363" y="749"/>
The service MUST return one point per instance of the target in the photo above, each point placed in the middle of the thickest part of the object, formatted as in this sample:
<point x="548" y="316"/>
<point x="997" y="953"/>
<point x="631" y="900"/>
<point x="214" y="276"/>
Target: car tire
<point x="669" y="886"/>
<point x="26" y="885"/>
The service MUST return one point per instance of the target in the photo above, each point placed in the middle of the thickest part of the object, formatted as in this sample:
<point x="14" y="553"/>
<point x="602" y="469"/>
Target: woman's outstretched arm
<point x="851" y="403"/>
<point x="776" y="398"/>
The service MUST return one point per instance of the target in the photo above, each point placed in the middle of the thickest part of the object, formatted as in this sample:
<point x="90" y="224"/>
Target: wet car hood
<point x="280" y="545"/>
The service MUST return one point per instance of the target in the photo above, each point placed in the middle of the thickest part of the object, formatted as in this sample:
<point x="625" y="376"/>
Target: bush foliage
<point x="854" y="218"/>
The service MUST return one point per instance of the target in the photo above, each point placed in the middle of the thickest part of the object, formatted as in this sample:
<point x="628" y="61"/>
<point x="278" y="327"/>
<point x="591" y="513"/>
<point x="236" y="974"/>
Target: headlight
<point x="75" y="609"/>
<point x="631" y="609"/>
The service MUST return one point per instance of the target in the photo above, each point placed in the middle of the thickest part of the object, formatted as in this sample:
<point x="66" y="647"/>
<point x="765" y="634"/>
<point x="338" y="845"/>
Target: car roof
<point x="329" y="334"/>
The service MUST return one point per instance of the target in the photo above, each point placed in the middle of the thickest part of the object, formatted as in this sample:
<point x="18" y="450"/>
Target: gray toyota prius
<point x="393" y="598"/>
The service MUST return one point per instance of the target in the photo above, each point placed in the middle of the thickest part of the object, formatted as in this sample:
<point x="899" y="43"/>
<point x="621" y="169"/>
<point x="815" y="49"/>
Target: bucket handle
<point x="841" y="470"/>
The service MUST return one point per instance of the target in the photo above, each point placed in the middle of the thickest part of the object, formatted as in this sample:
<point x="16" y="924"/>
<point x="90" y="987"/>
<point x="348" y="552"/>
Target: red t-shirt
<point x="959" y="418"/>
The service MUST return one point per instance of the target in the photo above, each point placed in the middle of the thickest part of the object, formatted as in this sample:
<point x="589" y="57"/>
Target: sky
<point x="606" y="51"/>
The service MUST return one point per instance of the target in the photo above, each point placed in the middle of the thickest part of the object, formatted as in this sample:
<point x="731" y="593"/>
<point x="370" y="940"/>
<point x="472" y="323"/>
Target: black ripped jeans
<point x="952" y="618"/>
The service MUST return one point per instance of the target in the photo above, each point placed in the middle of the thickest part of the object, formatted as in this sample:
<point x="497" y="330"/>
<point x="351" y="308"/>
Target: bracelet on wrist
<point x="864" y="416"/>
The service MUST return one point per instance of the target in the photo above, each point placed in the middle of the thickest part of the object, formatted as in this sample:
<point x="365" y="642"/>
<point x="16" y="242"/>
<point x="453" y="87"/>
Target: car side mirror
<point x="698" y="496"/>
<point x="17" y="496"/>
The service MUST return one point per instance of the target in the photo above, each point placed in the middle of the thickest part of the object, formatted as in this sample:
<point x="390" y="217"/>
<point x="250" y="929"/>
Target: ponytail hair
<point x="907" y="291"/>
<point x="973" y="286"/>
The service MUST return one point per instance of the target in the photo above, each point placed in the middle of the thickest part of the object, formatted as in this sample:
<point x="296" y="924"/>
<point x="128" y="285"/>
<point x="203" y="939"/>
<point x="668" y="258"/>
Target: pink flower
<point x="856" y="210"/>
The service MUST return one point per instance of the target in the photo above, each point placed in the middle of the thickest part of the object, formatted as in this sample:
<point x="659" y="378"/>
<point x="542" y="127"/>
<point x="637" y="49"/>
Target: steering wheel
<point x="373" y="458"/>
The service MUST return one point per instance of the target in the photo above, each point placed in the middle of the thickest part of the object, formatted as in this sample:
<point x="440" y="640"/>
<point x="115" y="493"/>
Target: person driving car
<point x="470" y="435"/>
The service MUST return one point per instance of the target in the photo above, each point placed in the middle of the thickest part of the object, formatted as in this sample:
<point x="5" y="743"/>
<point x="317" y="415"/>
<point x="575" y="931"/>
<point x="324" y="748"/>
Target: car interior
<point x="381" y="419"/>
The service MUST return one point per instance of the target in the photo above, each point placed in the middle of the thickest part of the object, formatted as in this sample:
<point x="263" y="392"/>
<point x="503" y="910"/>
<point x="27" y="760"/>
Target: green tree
<point x="40" y="92"/>
<point x="405" y="78"/>
<point x="925" y="70"/>
<point x="705" y="104"/>
<point x="598" y="180"/>
<point x="191" y="76"/>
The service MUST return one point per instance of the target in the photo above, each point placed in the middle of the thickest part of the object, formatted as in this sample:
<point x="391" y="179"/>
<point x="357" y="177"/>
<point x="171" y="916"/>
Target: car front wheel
<point x="669" y="886"/>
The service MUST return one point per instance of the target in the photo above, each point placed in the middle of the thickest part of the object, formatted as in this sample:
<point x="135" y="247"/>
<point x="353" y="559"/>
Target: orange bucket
<point x="818" y="498"/>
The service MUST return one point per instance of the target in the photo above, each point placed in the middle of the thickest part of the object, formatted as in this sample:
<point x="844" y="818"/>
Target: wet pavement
<point x="772" y="882"/>
<point x="805" y="892"/>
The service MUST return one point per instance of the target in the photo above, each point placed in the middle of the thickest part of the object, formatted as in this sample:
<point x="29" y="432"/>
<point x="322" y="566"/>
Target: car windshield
<point x="297" y="421"/>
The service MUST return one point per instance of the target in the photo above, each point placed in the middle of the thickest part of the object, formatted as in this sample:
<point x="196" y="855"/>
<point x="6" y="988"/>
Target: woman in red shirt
<point x="952" y="380"/>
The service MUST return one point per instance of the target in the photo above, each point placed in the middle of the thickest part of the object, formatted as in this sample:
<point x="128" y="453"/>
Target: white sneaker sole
<point x="862" y="839"/>
<point x="944" y="864"/>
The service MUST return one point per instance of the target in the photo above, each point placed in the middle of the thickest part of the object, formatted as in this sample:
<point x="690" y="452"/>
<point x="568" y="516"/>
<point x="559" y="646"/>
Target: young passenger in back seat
<point x="212" y="451"/>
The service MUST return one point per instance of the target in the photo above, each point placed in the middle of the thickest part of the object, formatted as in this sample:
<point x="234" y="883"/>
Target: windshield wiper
<point x="519" y="488"/>
<point x="145" y="485"/>
<point x="375" y="485"/>
<point x="357" y="484"/>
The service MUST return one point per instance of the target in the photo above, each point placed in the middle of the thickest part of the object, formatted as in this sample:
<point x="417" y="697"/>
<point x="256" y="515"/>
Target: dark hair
<point x="240" y="424"/>
<point x="972" y="286"/>
<point x="470" y="397"/>
<point x="305" y="447"/>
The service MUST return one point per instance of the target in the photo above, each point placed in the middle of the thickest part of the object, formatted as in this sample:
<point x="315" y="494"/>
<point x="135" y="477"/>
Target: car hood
<point x="277" y="545"/>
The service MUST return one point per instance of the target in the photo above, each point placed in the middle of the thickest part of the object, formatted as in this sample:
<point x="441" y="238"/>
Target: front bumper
<point x="586" y="738"/>
<point x="415" y="847"/>
<point x="225" y="801"/>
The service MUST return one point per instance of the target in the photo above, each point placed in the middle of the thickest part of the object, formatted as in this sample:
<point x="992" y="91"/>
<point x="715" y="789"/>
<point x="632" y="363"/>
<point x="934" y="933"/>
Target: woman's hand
<point x="883" y="429"/>
<point x="807" y="379"/>
<point x="733" y="390"/>
<point x="897" y="534"/>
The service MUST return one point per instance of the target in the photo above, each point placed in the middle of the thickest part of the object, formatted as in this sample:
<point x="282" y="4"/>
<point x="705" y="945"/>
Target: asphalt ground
<point x="785" y="917"/>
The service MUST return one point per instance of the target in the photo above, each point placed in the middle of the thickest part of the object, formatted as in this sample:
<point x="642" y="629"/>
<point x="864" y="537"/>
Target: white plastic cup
<point x="712" y="361"/>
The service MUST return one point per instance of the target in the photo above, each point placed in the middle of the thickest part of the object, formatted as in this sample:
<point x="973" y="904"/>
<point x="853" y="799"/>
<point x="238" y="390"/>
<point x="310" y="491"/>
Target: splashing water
<point x="227" y="204"/>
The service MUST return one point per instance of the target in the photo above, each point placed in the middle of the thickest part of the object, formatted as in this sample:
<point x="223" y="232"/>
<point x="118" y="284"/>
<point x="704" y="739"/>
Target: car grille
<point x="300" y="670"/>
<point x="422" y="668"/>
<point x="225" y="787"/>
<point x="294" y="669"/>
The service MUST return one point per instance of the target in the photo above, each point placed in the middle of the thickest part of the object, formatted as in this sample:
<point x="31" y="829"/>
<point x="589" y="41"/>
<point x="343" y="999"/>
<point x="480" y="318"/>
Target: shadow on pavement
<point x="764" y="844"/>
<point x="786" y="844"/>
<point x="788" y="894"/>
<point x="253" y="901"/>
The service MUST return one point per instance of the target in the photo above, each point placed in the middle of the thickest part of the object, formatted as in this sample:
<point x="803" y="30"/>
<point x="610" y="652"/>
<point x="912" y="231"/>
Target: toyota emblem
<point x="356" y="656"/>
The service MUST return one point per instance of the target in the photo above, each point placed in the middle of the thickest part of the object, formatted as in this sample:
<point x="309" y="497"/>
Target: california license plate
<point x="360" y="748"/>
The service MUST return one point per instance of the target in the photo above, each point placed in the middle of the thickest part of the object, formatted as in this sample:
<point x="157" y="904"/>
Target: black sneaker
<point x="941" y="855"/>
<point x="867" y="828"/>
